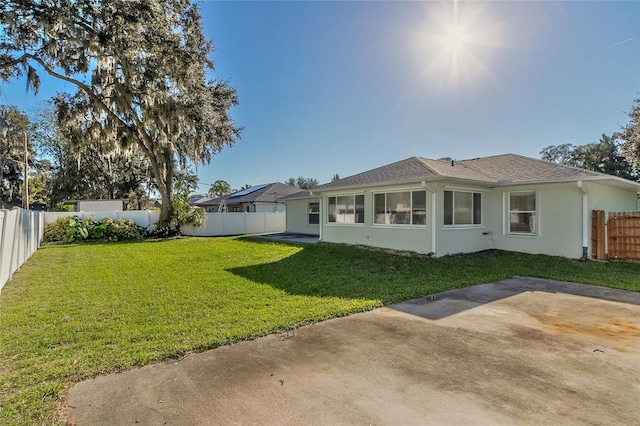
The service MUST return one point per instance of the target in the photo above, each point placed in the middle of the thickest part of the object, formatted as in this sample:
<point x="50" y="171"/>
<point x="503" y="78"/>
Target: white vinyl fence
<point x="218" y="224"/>
<point x="239" y="224"/>
<point x="21" y="234"/>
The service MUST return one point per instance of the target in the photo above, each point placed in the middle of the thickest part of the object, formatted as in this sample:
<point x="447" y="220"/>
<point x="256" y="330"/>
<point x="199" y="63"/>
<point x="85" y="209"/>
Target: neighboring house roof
<point x="300" y="195"/>
<point x="265" y="193"/>
<point x="506" y="169"/>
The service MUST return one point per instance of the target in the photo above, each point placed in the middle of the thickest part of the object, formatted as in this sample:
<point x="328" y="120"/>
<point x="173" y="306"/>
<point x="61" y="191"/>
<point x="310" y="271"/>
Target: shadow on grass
<point x="333" y="270"/>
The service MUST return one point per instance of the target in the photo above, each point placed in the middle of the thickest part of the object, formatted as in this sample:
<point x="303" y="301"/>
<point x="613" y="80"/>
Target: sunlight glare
<point x="456" y="44"/>
<point x="455" y="39"/>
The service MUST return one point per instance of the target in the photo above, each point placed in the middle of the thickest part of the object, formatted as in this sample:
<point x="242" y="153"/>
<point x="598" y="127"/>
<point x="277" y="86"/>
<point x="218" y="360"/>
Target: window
<point x="400" y="208"/>
<point x="522" y="213"/>
<point x="462" y="208"/>
<point x="346" y="209"/>
<point x="314" y="213"/>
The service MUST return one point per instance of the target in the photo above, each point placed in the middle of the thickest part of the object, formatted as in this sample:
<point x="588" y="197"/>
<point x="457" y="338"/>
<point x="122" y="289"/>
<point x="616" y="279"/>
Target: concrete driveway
<point x="521" y="351"/>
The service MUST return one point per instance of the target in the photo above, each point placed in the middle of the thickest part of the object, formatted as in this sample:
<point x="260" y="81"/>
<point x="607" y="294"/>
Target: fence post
<point x="598" y="235"/>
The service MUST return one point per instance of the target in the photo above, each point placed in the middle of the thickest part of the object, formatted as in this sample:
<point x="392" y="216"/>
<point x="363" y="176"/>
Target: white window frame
<point x="316" y="213"/>
<point x="453" y="200"/>
<point x="411" y="209"/>
<point x="355" y="211"/>
<point x="535" y="214"/>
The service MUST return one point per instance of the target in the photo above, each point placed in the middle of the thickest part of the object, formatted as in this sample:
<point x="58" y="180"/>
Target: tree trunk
<point x="165" y="186"/>
<point x="166" y="208"/>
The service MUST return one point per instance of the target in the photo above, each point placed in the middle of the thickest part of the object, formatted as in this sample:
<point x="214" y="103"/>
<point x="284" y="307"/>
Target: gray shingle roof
<point x="300" y="195"/>
<point x="406" y="170"/>
<point x="498" y="169"/>
<point x="518" y="169"/>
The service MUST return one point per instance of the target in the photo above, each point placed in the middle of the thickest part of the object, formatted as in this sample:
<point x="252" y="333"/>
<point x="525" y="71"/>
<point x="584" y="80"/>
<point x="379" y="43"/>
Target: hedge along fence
<point x="218" y="224"/>
<point x="21" y="235"/>
<point x="144" y="218"/>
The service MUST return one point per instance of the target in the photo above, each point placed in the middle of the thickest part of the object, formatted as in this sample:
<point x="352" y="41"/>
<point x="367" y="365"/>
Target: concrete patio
<point x="518" y="352"/>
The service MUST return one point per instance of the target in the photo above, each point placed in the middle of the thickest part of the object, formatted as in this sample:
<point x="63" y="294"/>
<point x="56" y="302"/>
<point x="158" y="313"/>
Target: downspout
<point x="434" y="237"/>
<point x="585" y="221"/>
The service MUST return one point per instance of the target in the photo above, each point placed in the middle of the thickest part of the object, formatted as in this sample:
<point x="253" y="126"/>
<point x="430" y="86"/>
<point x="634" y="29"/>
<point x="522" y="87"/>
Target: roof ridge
<point x="379" y="167"/>
<point x="566" y="166"/>
<point x="421" y="160"/>
<point x="479" y="170"/>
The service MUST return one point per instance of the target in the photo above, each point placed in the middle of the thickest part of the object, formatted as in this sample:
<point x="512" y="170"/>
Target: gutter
<point x="585" y="220"/>
<point x="434" y="239"/>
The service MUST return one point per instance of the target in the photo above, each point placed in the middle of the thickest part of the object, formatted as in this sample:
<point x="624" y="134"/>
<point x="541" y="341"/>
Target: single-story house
<point x="257" y="199"/>
<point x="507" y="202"/>
<point x="303" y="213"/>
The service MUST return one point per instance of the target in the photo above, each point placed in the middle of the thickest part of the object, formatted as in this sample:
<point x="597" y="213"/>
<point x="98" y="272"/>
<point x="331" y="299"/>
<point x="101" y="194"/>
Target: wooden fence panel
<point x="598" y="235"/>
<point x="623" y="235"/>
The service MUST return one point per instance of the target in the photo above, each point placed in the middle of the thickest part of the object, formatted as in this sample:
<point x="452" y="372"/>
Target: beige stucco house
<point x="506" y="202"/>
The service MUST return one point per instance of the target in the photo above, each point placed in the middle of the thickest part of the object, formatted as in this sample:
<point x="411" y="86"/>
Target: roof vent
<point x="453" y="163"/>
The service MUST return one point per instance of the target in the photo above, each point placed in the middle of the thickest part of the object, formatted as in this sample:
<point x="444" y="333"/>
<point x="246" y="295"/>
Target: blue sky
<point x="343" y="87"/>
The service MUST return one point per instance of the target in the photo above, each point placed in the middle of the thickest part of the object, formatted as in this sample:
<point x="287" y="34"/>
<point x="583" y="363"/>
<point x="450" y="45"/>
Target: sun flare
<point x="455" y="39"/>
<point x="456" y="44"/>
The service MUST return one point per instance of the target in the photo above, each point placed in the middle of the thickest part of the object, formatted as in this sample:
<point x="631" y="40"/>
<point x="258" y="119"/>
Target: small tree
<point x="183" y="212"/>
<point x="219" y="188"/>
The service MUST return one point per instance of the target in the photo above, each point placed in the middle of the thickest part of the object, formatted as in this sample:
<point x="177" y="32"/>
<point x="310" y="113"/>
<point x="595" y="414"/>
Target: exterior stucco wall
<point x="558" y="221"/>
<point x="298" y="217"/>
<point x="610" y="199"/>
<point x="461" y="239"/>
<point x="406" y="237"/>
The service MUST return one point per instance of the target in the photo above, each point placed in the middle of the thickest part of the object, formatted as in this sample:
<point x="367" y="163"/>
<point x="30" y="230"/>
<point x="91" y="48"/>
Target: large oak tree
<point x="140" y="68"/>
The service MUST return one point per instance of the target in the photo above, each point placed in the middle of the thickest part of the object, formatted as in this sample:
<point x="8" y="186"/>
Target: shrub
<point x="127" y="229"/>
<point x="72" y="229"/>
<point x="78" y="229"/>
<point x="162" y="233"/>
<point x="57" y="231"/>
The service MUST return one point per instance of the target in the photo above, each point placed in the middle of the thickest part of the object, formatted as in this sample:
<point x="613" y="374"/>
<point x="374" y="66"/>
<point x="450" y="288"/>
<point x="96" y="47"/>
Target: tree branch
<point x="14" y="62"/>
<point x="85" y="88"/>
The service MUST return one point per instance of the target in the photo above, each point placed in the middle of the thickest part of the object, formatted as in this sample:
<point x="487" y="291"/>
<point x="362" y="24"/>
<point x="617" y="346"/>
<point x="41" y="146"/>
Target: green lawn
<point x="73" y="312"/>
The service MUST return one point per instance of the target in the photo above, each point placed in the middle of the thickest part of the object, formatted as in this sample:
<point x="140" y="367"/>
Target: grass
<point x="74" y="312"/>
